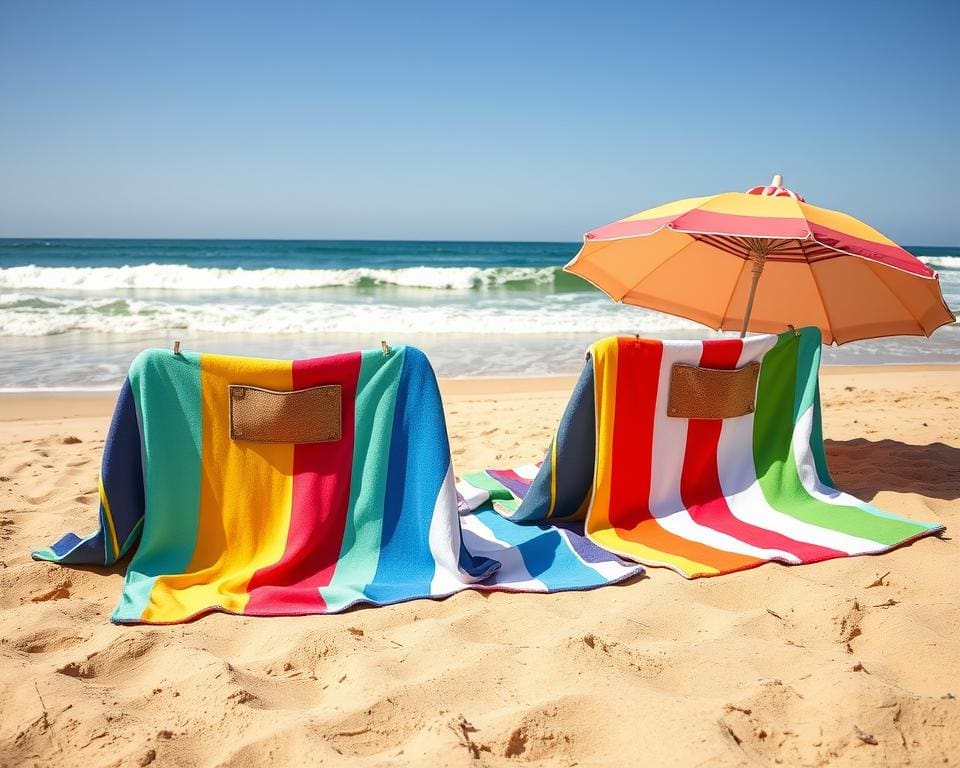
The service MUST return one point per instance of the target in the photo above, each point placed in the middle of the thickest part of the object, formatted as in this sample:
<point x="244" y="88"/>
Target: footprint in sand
<point x="49" y="641"/>
<point x="60" y="592"/>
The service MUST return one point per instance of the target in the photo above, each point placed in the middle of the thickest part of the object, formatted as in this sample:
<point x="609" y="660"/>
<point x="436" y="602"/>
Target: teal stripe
<point x="44" y="554"/>
<point x="166" y="389"/>
<point x="774" y="458"/>
<point x="816" y="443"/>
<point x="808" y="359"/>
<point x="132" y="538"/>
<point x="808" y="395"/>
<point x="360" y="551"/>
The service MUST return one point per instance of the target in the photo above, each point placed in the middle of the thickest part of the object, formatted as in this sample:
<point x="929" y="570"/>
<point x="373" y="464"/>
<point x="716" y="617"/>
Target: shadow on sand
<point x="864" y="468"/>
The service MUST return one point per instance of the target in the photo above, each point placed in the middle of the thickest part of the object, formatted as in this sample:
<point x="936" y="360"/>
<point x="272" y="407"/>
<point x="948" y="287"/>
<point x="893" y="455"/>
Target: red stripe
<point x="891" y="255"/>
<point x="638" y="375"/>
<point x="321" y="497"/>
<point x="707" y="222"/>
<point x="511" y="481"/>
<point x="784" y="227"/>
<point x="700" y="487"/>
<point x="635" y="228"/>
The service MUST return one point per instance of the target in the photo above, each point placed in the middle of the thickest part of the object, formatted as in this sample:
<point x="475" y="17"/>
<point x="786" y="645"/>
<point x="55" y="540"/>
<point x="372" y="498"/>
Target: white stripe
<point x="444" y="539"/>
<point x="669" y="444"/>
<point x="527" y="471"/>
<point x="810" y="480"/>
<point x="745" y="498"/>
<point x="512" y="573"/>
<point x="473" y="496"/>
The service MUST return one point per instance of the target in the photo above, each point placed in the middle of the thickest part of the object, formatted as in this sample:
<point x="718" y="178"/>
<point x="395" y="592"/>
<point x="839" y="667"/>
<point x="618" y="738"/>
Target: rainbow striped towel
<point x="279" y="528"/>
<point x="703" y="496"/>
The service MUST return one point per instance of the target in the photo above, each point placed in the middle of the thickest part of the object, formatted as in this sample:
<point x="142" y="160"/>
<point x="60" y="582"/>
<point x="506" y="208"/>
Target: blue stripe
<point x="474" y="566"/>
<point x="419" y="458"/>
<point x="122" y="473"/>
<point x="576" y="446"/>
<point x="546" y="554"/>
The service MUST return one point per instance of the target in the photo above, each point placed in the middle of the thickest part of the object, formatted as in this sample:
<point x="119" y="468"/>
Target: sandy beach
<point x="848" y="662"/>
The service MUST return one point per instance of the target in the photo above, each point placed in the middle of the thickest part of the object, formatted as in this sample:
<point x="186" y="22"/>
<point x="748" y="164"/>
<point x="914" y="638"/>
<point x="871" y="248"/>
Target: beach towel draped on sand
<point x="674" y="464"/>
<point x="268" y="487"/>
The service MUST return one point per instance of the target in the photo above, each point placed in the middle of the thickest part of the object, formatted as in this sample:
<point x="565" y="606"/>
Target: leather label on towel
<point x="302" y="416"/>
<point x="712" y="393"/>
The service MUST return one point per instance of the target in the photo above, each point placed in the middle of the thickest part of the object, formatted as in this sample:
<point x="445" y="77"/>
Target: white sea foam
<point x="941" y="262"/>
<point x="180" y="277"/>
<point x="29" y="315"/>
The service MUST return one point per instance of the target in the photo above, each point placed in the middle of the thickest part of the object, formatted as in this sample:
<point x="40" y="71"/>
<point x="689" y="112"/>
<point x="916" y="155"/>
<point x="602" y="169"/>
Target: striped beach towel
<point x="271" y="487"/>
<point x="700" y="492"/>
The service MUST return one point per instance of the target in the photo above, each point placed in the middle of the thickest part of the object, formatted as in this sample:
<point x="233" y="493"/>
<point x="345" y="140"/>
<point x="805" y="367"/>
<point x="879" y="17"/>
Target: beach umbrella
<point x="762" y="260"/>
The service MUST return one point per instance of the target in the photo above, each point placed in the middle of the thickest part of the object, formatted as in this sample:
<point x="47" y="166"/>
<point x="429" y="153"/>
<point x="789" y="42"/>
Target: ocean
<point x="73" y="313"/>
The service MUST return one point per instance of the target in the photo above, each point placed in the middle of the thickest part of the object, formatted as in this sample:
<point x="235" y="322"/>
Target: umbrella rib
<point x="890" y="290"/>
<point x="660" y="266"/>
<point x="731" y="246"/>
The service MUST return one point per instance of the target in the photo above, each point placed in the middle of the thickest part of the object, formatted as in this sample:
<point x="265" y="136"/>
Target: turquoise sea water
<point x="73" y="313"/>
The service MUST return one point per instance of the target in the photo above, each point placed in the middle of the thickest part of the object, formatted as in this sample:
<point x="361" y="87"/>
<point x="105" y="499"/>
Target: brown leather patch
<point x="711" y="393"/>
<point x="302" y="416"/>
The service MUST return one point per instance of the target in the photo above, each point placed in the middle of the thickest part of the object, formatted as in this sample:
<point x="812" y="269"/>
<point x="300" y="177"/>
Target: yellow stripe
<point x="669" y="209"/>
<point x="604" y="355"/>
<point x="553" y="474"/>
<point x="841" y="222"/>
<point x="109" y="517"/>
<point x="741" y="204"/>
<point x="609" y="539"/>
<point x="246" y="495"/>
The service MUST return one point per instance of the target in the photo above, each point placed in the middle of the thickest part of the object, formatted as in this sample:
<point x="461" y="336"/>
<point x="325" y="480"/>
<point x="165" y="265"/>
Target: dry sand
<point x="849" y="662"/>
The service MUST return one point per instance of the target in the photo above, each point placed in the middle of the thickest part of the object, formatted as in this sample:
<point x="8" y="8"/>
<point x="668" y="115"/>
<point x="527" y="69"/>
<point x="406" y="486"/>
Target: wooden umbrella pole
<point x="758" y="255"/>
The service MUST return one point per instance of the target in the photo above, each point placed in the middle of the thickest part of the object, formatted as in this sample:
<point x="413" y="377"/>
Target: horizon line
<point x="348" y="240"/>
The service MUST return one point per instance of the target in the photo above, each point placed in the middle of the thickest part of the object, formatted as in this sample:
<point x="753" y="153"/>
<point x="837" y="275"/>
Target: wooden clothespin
<point x="176" y="347"/>
<point x="794" y="330"/>
<point x="385" y="347"/>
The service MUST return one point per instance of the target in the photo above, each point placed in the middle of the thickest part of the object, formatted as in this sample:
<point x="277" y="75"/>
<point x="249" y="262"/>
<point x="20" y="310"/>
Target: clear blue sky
<point x="473" y="120"/>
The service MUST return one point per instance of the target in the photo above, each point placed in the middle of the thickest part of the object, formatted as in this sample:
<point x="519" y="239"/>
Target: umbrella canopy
<point x="702" y="258"/>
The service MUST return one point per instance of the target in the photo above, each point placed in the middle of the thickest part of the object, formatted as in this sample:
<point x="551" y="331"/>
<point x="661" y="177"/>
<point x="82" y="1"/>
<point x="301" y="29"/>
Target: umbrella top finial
<point x="775" y="189"/>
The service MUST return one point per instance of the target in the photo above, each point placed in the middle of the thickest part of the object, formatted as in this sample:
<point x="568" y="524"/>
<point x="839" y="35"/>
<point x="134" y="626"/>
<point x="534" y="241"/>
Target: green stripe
<point x="773" y="451"/>
<point x="502" y="499"/>
<point x="483" y="481"/>
<point x="508" y="508"/>
<point x="375" y="404"/>
<point x="166" y="389"/>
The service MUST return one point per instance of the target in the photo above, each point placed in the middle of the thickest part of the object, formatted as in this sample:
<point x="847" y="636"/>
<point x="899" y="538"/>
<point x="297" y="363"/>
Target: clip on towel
<point x="385" y="347"/>
<point x="794" y="330"/>
<point x="176" y="347"/>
